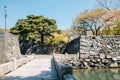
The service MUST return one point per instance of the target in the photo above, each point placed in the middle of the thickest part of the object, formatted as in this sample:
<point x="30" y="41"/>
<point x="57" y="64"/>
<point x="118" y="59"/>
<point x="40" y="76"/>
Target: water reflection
<point x="98" y="74"/>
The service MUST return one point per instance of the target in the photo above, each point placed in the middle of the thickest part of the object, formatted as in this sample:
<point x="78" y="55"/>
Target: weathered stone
<point x="108" y="46"/>
<point x="94" y="60"/>
<point x="106" y="61"/>
<point x="66" y="55"/>
<point x="82" y="51"/>
<point x="96" y="57"/>
<point x="114" y="59"/>
<point x="98" y="60"/>
<point x="76" y="63"/>
<point x="97" y="65"/>
<point x="84" y="44"/>
<point x="84" y="56"/>
<point x="85" y="63"/>
<point x="87" y="60"/>
<point x="118" y="57"/>
<point x="91" y="64"/>
<point x="108" y="56"/>
<point x="114" y="65"/>
<point x="92" y="53"/>
<point x="102" y="56"/>
<point x="84" y="48"/>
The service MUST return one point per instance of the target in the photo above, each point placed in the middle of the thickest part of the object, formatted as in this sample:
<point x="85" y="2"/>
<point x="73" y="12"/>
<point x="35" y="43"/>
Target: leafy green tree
<point x="34" y="28"/>
<point x="35" y="33"/>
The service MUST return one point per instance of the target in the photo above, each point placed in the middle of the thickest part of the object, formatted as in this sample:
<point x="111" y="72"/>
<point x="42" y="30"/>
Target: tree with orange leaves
<point x="90" y="20"/>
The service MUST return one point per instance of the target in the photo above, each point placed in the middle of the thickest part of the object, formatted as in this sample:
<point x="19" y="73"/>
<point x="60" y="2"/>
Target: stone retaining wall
<point x="64" y="71"/>
<point x="3" y="58"/>
<point x="92" y="46"/>
<point x="9" y="47"/>
<point x="11" y="66"/>
<point x="100" y="51"/>
<point x="96" y="52"/>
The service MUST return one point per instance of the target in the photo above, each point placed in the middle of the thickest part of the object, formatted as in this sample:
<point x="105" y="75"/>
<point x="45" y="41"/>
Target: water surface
<point x="97" y="74"/>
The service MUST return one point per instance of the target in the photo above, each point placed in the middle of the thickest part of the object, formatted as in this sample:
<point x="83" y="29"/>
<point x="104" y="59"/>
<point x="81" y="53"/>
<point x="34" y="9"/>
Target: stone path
<point x="38" y="69"/>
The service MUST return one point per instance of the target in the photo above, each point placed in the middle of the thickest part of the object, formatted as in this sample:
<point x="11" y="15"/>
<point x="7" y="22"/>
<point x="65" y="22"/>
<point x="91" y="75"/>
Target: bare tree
<point x="109" y="4"/>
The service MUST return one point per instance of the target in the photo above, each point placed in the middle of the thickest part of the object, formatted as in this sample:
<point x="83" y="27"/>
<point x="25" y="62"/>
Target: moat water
<point x="97" y="74"/>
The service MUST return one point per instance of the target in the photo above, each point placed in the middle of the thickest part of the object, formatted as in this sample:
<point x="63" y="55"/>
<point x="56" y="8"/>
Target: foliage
<point x="112" y="31"/>
<point x="116" y="29"/>
<point x="112" y="22"/>
<point x="90" y="20"/>
<point x="38" y="34"/>
<point x="107" y="31"/>
<point x="34" y="28"/>
<point x="59" y="38"/>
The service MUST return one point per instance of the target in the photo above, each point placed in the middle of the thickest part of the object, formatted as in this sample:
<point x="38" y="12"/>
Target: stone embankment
<point x="64" y="71"/>
<point x="13" y="65"/>
<point x="97" y="52"/>
<point x="9" y="47"/>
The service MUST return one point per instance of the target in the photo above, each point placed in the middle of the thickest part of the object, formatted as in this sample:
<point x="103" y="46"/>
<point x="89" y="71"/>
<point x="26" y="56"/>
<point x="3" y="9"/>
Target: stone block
<point x="82" y="51"/>
<point x="114" y="58"/>
<point x="114" y="65"/>
<point x="87" y="60"/>
<point x="93" y="53"/>
<point x="118" y="57"/>
<point x="102" y="56"/>
<point x="84" y="44"/>
<point x="108" y="56"/>
<point x="84" y="56"/>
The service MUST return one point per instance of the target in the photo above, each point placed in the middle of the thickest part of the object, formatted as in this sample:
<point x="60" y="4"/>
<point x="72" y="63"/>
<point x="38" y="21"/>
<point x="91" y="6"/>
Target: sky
<point x="63" y="11"/>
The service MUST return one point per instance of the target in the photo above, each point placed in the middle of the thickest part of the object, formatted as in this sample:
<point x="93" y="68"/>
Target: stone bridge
<point x="14" y="66"/>
<point x="37" y="67"/>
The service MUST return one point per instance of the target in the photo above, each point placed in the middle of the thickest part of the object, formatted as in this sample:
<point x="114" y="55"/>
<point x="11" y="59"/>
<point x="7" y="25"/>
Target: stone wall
<point x="9" y="47"/>
<point x="64" y="70"/>
<point x="97" y="52"/>
<point x="100" y="51"/>
<point x="2" y="48"/>
<point x="91" y="46"/>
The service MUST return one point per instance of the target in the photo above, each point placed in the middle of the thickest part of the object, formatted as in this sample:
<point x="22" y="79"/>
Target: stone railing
<point x="64" y="70"/>
<point x="11" y="66"/>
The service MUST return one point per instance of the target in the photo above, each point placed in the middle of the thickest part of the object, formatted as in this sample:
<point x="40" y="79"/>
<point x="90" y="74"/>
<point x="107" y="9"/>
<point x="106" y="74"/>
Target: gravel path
<point x="38" y="69"/>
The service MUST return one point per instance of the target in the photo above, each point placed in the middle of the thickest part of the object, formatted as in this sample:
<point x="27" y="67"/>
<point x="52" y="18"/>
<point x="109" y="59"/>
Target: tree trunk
<point x="42" y="38"/>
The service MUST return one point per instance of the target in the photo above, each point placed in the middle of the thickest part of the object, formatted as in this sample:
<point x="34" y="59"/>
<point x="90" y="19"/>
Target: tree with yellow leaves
<point x="90" y="20"/>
